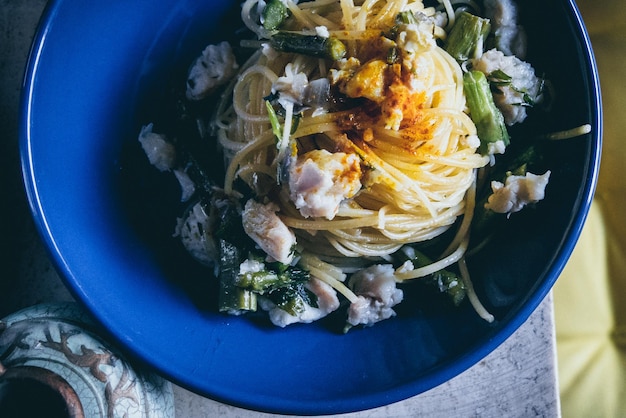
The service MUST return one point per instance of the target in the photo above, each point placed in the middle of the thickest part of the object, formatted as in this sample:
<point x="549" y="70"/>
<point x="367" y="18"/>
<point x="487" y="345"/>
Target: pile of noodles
<point x="418" y="176"/>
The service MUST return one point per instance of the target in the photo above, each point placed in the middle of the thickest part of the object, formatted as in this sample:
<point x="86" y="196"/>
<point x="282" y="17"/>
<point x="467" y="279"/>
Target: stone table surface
<point x="518" y="379"/>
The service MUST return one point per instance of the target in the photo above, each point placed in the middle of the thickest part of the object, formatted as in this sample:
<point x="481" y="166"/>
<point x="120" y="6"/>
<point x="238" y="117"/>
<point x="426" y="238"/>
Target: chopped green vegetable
<point x="402" y="18"/>
<point x="276" y="128"/>
<point x="393" y="55"/>
<point x="293" y="299"/>
<point x="467" y="36"/>
<point x="274" y="14"/>
<point x="232" y="298"/>
<point x="406" y="17"/>
<point x="489" y="121"/>
<point x="261" y="281"/>
<point x="271" y="278"/>
<point x="283" y="284"/>
<point x="293" y="272"/>
<point x="446" y="281"/>
<point x="313" y="45"/>
<point x="499" y="78"/>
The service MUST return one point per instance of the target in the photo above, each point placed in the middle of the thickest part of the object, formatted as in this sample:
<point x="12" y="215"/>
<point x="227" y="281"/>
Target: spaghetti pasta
<point x="351" y="136"/>
<point x="416" y="143"/>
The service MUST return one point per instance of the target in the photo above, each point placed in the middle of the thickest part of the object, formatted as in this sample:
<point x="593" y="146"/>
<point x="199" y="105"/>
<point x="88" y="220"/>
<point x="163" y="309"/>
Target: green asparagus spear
<point x="274" y="276"/>
<point x="489" y="120"/>
<point x="232" y="298"/>
<point x="313" y="45"/>
<point x="274" y="14"/>
<point x="259" y="281"/>
<point x="283" y="284"/>
<point x="467" y="36"/>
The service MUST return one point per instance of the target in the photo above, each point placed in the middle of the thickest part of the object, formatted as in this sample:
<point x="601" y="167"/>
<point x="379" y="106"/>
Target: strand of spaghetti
<point x="423" y="160"/>
<point x="569" y="133"/>
<point x="363" y="13"/>
<point x="227" y="143"/>
<point x="463" y="231"/>
<point x="247" y="17"/>
<point x="436" y="266"/>
<point x="330" y="263"/>
<point x="388" y="12"/>
<point x="449" y="11"/>
<point x="241" y="86"/>
<point x="330" y="269"/>
<point x="465" y="159"/>
<point x="334" y="283"/>
<point x="238" y="157"/>
<point x="420" y="222"/>
<point x="449" y="197"/>
<point x="382" y="220"/>
<point x="469" y="162"/>
<point x="368" y="249"/>
<point x="455" y="114"/>
<point x="408" y="221"/>
<point x="225" y="115"/>
<point x="471" y="293"/>
<point x="449" y="74"/>
<point x="411" y="199"/>
<point x="313" y="126"/>
<point x="248" y="170"/>
<point x="224" y="110"/>
<point x="352" y="250"/>
<point x="447" y="80"/>
<point x="412" y="236"/>
<point x="408" y="193"/>
<point x="321" y="224"/>
<point x="347" y="9"/>
<point x="442" y="90"/>
<point x="341" y="249"/>
<point x="445" y="180"/>
<point x="447" y="217"/>
<point x="401" y="199"/>
<point x="408" y="141"/>
<point x="434" y="175"/>
<point x="360" y="236"/>
<point x="457" y="74"/>
<point x="353" y="211"/>
<point x="309" y="19"/>
<point x="299" y="15"/>
<point x="384" y="12"/>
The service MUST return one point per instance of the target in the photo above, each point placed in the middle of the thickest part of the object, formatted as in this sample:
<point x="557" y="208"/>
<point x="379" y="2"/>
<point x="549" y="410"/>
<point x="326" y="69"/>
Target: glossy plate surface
<point x="95" y="75"/>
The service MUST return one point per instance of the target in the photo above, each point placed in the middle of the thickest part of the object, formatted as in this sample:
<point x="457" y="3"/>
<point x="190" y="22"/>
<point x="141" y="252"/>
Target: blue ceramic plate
<point x="98" y="71"/>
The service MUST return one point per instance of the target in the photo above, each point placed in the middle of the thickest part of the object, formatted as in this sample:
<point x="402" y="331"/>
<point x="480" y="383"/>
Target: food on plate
<point x="355" y="134"/>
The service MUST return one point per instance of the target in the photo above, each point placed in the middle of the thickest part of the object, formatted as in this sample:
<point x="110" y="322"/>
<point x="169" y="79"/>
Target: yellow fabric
<point x="590" y="295"/>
